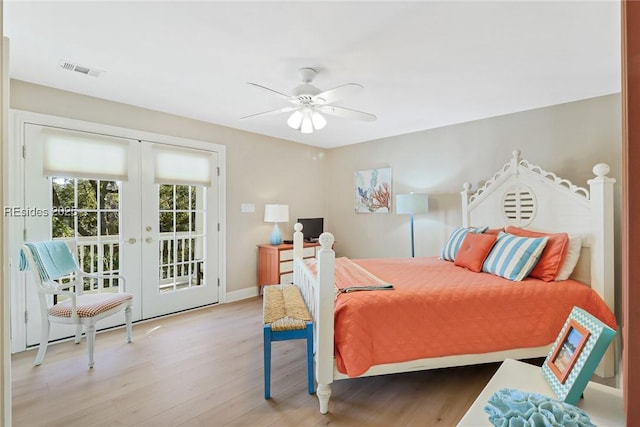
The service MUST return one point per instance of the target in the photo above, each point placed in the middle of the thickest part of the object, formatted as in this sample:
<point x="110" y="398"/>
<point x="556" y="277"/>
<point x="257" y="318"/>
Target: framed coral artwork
<point x="373" y="190"/>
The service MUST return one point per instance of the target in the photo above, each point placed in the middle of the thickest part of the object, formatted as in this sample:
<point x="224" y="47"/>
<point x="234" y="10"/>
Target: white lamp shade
<point x="412" y="203"/>
<point x="318" y="121"/>
<point x="276" y="213"/>
<point x="307" y="125"/>
<point x="295" y="120"/>
<point x="306" y="120"/>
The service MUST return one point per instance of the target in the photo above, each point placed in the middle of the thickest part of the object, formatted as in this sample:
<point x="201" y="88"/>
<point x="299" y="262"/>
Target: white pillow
<point x="571" y="259"/>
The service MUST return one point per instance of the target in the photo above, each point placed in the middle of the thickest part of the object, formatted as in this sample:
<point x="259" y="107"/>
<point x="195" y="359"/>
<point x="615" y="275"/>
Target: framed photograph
<point x="575" y="354"/>
<point x="373" y="190"/>
<point x="565" y="355"/>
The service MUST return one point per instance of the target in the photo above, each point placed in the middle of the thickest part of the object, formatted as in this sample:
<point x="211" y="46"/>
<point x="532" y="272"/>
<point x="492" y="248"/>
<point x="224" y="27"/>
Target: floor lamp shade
<point x="412" y="203"/>
<point x="276" y="214"/>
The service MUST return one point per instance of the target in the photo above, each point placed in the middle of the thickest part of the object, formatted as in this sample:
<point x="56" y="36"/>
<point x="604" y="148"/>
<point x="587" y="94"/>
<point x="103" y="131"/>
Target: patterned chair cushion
<point x="90" y="305"/>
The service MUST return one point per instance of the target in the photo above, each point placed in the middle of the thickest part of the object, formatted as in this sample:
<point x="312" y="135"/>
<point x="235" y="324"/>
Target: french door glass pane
<point x="181" y="232"/>
<point x="87" y="210"/>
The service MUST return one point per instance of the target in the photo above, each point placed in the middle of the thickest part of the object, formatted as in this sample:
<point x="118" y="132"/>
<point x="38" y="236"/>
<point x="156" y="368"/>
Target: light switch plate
<point x="247" y="207"/>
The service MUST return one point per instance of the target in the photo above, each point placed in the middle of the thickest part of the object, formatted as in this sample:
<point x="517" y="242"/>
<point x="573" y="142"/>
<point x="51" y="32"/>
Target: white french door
<point x="152" y="224"/>
<point x="179" y="229"/>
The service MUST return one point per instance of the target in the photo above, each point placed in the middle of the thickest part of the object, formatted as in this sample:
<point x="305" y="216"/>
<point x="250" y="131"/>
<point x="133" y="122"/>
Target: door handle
<point x="148" y="240"/>
<point x="131" y="240"/>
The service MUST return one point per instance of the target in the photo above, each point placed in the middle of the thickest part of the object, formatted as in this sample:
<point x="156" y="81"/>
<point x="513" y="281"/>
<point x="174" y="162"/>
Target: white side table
<point x="603" y="404"/>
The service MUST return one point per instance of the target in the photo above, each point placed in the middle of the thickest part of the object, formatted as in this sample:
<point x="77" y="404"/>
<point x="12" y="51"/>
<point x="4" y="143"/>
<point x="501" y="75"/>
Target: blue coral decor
<point x="515" y="408"/>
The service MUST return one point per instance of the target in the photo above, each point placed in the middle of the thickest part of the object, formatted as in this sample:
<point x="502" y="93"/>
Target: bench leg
<point x="310" y="357"/>
<point x="267" y="361"/>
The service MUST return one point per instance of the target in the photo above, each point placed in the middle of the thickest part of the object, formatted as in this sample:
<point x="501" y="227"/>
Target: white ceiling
<point x="422" y="64"/>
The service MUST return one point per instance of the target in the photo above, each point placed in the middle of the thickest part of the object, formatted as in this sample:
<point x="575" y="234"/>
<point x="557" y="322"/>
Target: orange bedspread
<point x="439" y="309"/>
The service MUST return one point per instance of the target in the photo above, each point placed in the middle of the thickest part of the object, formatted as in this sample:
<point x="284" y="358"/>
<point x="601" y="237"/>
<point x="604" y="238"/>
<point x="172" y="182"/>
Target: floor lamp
<point x="412" y="204"/>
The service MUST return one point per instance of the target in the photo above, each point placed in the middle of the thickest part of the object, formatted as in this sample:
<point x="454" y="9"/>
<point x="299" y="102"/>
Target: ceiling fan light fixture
<point x="318" y="120"/>
<point x="295" y="120"/>
<point x="307" y="125"/>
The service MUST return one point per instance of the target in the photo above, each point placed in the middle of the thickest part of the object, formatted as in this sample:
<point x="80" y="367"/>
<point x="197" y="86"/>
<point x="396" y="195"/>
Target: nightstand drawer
<point x="286" y="266"/>
<point x="286" y="279"/>
<point x="287" y="255"/>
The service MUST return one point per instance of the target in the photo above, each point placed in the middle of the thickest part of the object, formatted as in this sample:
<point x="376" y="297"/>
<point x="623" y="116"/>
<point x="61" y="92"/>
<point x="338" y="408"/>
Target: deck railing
<point x="179" y="264"/>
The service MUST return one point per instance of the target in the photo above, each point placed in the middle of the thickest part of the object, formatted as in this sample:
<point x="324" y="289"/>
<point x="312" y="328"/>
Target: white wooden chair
<point x="78" y="308"/>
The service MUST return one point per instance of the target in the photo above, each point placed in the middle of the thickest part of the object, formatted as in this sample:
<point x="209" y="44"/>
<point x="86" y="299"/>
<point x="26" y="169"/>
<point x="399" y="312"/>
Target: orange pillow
<point x="495" y="231"/>
<point x="552" y="256"/>
<point x="474" y="250"/>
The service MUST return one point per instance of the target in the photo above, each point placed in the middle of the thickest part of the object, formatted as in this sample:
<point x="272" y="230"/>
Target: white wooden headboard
<point x="527" y="196"/>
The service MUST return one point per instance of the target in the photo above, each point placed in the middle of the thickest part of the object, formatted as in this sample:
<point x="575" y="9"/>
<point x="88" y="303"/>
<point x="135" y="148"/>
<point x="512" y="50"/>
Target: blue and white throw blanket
<point x="52" y="258"/>
<point x="515" y="408"/>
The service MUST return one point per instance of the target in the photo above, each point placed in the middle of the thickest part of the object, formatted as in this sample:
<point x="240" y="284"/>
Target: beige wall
<point x="260" y="169"/>
<point x="567" y="139"/>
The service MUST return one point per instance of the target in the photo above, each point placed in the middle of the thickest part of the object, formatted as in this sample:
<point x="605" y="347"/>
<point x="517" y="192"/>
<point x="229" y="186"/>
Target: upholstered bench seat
<point x="285" y="317"/>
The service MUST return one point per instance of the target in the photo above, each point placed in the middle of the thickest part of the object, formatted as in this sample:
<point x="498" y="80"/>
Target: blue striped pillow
<point x="450" y="249"/>
<point x="513" y="257"/>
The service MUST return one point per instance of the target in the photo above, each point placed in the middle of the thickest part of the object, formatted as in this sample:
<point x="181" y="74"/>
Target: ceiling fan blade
<point x="280" y="94"/>
<point x="272" y="112"/>
<point x="337" y="93"/>
<point x="346" y="113"/>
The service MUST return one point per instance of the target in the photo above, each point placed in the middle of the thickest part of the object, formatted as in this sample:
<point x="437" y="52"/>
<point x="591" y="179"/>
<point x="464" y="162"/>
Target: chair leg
<point x="127" y="317"/>
<point x="44" y="341"/>
<point x="78" y="333"/>
<point x="267" y="362"/>
<point x="91" y="339"/>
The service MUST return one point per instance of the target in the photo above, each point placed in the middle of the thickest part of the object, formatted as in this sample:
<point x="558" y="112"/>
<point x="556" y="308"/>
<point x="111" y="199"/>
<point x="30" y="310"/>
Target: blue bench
<point x="285" y="317"/>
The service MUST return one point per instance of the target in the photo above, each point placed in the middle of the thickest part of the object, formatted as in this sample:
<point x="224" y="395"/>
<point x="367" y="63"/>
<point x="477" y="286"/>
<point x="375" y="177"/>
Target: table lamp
<point x="276" y="214"/>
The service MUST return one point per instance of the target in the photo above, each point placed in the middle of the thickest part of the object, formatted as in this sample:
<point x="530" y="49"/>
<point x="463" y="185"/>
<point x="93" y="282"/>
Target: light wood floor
<point x="204" y="368"/>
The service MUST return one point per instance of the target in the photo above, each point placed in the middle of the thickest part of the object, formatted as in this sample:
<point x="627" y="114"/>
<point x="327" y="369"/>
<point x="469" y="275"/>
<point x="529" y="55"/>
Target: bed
<point x="440" y="314"/>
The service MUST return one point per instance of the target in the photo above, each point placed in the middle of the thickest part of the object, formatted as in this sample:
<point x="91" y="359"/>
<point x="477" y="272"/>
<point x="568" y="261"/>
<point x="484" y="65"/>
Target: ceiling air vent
<point x="93" y="72"/>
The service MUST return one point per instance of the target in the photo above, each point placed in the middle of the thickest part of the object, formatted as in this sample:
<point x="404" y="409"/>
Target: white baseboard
<point x="242" y="294"/>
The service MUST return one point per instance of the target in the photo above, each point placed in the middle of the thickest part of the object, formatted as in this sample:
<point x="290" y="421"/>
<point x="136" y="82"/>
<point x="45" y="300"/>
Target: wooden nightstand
<point x="275" y="263"/>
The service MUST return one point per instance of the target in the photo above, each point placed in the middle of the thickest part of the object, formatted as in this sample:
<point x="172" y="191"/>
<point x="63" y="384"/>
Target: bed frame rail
<point x="303" y="277"/>
<point x="319" y="294"/>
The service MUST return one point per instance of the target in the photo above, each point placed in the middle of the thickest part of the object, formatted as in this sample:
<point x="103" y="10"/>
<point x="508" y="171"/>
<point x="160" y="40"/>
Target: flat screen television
<point x="312" y="228"/>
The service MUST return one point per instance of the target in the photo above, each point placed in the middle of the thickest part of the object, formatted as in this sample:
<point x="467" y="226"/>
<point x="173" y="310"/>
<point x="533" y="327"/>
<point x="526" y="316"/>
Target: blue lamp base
<point x="276" y="237"/>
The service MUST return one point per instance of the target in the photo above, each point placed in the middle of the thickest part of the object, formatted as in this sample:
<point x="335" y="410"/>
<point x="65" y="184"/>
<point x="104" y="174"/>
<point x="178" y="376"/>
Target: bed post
<point x="298" y="242"/>
<point x="325" y="298"/>
<point x="602" y="250"/>
<point x="465" y="203"/>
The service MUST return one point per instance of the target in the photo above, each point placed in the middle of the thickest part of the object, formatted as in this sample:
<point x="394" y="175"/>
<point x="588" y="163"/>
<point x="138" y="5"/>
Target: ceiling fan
<point x="308" y="102"/>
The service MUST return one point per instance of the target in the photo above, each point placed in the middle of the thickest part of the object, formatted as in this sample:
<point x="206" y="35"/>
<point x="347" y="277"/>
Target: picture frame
<point x="575" y="354"/>
<point x="564" y="356"/>
<point x="372" y="190"/>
